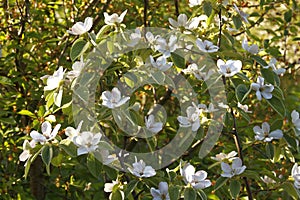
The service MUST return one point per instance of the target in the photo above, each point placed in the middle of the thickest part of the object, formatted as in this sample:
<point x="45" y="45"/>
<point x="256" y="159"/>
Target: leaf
<point x="207" y="8"/>
<point x="270" y="150"/>
<point x="47" y="154"/>
<point x="82" y="93"/>
<point x="78" y="48"/>
<point x="241" y="92"/>
<point x="68" y="147"/>
<point x="94" y="166"/>
<point x="5" y="81"/>
<point x="158" y="77"/>
<point x="235" y="187"/>
<point x="258" y="59"/>
<point x="237" y="22"/>
<point x="103" y="29"/>
<point x="202" y="195"/>
<point x="277" y="105"/>
<point x="189" y="194"/>
<point x="178" y="60"/>
<point x="117" y="195"/>
<point x="288" y="16"/>
<point x="220" y="182"/>
<point x="27" y="113"/>
<point x="130" y="187"/>
<point x="174" y="192"/>
<point x="269" y="76"/>
<point x="290" y="189"/>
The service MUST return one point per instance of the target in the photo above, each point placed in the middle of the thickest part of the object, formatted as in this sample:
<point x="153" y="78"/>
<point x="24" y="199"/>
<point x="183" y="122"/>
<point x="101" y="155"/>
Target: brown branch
<point x="176" y="7"/>
<point x="145" y="14"/>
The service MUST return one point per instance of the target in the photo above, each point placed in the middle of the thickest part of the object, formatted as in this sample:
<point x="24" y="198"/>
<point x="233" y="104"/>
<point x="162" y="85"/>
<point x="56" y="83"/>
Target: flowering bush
<point x="188" y="109"/>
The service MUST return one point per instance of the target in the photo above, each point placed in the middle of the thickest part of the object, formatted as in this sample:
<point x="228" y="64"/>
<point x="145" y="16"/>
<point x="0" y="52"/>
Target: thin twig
<point x="145" y="13"/>
<point x="176" y="7"/>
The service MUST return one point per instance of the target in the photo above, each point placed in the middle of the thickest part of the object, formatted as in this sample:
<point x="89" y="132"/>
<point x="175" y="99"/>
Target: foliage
<point x="35" y="42"/>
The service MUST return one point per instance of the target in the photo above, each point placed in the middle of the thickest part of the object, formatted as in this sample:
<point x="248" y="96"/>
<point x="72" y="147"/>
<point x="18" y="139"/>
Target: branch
<point x="145" y="14"/>
<point x="176" y="7"/>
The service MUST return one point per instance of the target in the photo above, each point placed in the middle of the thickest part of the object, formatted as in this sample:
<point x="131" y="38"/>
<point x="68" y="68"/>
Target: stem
<point x="176" y="7"/>
<point x="145" y="13"/>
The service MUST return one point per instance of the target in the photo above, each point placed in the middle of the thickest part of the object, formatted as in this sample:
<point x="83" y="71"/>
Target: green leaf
<point x="189" y="194"/>
<point x="241" y="92"/>
<point x="270" y="150"/>
<point x="103" y="29"/>
<point x="47" y="154"/>
<point x="277" y="105"/>
<point x="290" y="189"/>
<point x="288" y="16"/>
<point x="94" y="166"/>
<point x="78" y="48"/>
<point x="82" y="93"/>
<point x="270" y="76"/>
<point x="27" y="113"/>
<point x="237" y="22"/>
<point x="158" y="77"/>
<point x="174" y="192"/>
<point x="207" y="8"/>
<point x="130" y="187"/>
<point x="259" y="60"/>
<point x="178" y="60"/>
<point x="220" y="182"/>
<point x="235" y="187"/>
<point x="5" y="81"/>
<point x="202" y="195"/>
<point x="29" y="161"/>
<point x="68" y="147"/>
<point x="116" y="195"/>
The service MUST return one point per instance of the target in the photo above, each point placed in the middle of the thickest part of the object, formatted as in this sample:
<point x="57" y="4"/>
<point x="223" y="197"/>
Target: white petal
<point x="88" y="23"/>
<point x="277" y="134"/>
<point x="236" y="163"/>
<point x="46" y="128"/>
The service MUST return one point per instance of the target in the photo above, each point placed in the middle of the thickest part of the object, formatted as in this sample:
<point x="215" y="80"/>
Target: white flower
<point x="244" y="107"/>
<point x="267" y="179"/>
<point x="54" y="80"/>
<point x="80" y="28"/>
<point x="113" y="99"/>
<point x="87" y="142"/>
<point x="193" y="3"/>
<point x="72" y="133"/>
<point x="230" y="68"/>
<point x="272" y="64"/>
<point x="26" y="150"/>
<point x="198" y="73"/>
<point x="243" y="15"/>
<point x="135" y="37"/>
<point x="183" y="22"/>
<point x="108" y="187"/>
<point x="253" y="49"/>
<point x="211" y="108"/>
<point x="153" y="126"/>
<point x="47" y="133"/>
<point x="235" y="169"/>
<point x="197" y="180"/>
<point x="192" y="118"/>
<point x="106" y="157"/>
<point x="77" y="67"/>
<point x="262" y="89"/>
<point x="296" y="175"/>
<point x="114" y="18"/>
<point x="225" y="157"/>
<point x="295" y="119"/>
<point x="141" y="170"/>
<point x="161" y="193"/>
<point x="206" y="46"/>
<point x="161" y="63"/>
<point x="263" y="133"/>
<point x="223" y="105"/>
<point x="165" y="47"/>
